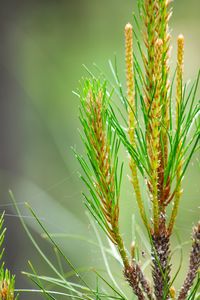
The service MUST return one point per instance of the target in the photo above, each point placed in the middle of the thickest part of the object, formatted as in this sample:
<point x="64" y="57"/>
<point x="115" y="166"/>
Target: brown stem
<point x="131" y="276"/>
<point x="144" y="283"/>
<point x="160" y="254"/>
<point x="193" y="265"/>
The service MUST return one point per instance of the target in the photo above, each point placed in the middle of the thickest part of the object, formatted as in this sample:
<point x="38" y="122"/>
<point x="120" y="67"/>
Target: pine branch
<point x="101" y="147"/>
<point x="159" y="150"/>
<point x="194" y="264"/>
<point x="136" y="278"/>
<point x="161" y="264"/>
<point x="131" y="276"/>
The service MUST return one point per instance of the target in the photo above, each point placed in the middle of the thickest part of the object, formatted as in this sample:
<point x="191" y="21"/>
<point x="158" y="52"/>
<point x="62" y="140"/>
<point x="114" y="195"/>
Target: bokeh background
<point x="43" y="46"/>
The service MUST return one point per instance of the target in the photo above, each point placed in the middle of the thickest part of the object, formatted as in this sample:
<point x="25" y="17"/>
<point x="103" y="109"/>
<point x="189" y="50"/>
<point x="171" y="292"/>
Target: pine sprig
<point x="179" y="91"/>
<point x="7" y="280"/>
<point x="131" y="98"/>
<point x="102" y="175"/>
<point x="102" y="150"/>
<point x="194" y="264"/>
<point x="160" y="147"/>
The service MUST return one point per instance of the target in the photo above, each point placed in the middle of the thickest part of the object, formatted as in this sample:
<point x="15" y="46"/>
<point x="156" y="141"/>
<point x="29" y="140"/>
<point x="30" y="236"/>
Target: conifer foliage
<point x="160" y="145"/>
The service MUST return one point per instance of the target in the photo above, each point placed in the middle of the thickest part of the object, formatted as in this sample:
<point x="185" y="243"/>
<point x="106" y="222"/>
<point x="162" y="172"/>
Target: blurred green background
<point x="43" y="46"/>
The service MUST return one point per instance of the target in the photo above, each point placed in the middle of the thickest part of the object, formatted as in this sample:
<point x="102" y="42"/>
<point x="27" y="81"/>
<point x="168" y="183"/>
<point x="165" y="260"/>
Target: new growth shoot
<point x="160" y="148"/>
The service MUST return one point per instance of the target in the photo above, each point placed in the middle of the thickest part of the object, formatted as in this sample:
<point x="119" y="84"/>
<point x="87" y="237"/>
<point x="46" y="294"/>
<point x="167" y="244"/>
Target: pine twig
<point x="180" y="61"/>
<point x="161" y="264"/>
<point x="132" y="121"/>
<point x="150" y="132"/>
<point x="131" y="276"/>
<point x="105" y="180"/>
<point x="134" y="274"/>
<point x="194" y="264"/>
<point x="144" y="283"/>
<point x="164" y="15"/>
<point x="154" y="135"/>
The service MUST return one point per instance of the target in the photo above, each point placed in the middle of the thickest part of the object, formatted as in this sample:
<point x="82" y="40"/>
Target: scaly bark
<point x="194" y="264"/>
<point x="161" y="265"/>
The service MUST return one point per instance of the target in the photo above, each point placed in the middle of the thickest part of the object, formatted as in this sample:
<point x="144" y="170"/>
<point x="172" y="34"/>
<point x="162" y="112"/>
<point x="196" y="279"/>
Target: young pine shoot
<point x="160" y="147"/>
